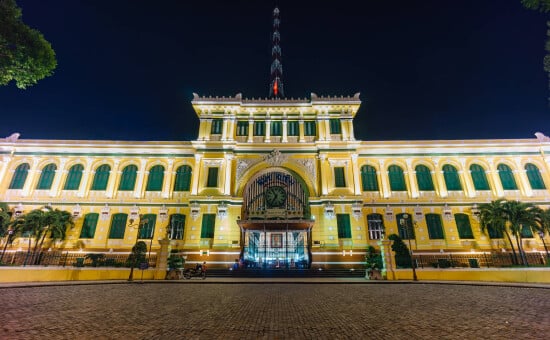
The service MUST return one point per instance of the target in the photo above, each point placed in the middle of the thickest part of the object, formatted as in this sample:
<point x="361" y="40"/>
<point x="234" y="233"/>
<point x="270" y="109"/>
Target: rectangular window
<point x="242" y="128"/>
<point x="335" y="128"/>
<point x="259" y="128"/>
<point x="375" y="225"/>
<point x="339" y="177"/>
<point x="208" y="225"/>
<point x="212" y="180"/>
<point x="463" y="226"/>
<point x="435" y="227"/>
<point x="118" y="225"/>
<point x="277" y="128"/>
<point x="89" y="225"/>
<point x="310" y="128"/>
<point x="147" y="226"/>
<point x="217" y="125"/>
<point x="344" y="226"/>
<point x="292" y="128"/>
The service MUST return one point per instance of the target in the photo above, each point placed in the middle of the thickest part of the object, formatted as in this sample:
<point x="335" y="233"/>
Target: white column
<point x="285" y="131"/>
<point x="113" y="177"/>
<point x="250" y="130"/>
<point x="3" y="170"/>
<point x="168" y="175"/>
<point x="326" y="123"/>
<point x="351" y="132"/>
<point x="324" y="173"/>
<point x="523" y="180"/>
<point x="413" y="186"/>
<point x="138" y="192"/>
<point x="84" y="185"/>
<point x="228" y="172"/>
<point x="301" y="129"/>
<point x="196" y="175"/>
<point x="442" y="188"/>
<point x="267" y="131"/>
<point x="59" y="175"/>
<point x="31" y="178"/>
<point x="356" y="177"/>
<point x="492" y="174"/>
<point x="384" y="180"/>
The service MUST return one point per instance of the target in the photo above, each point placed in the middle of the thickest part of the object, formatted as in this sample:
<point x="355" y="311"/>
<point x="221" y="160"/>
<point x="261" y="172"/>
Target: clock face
<point x="275" y="197"/>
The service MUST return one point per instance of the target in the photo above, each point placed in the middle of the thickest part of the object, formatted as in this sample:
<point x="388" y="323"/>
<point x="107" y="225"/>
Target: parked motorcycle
<point x="192" y="272"/>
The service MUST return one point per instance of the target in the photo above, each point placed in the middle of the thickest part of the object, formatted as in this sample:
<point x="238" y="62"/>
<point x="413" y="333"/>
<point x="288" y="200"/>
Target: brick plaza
<point x="274" y="311"/>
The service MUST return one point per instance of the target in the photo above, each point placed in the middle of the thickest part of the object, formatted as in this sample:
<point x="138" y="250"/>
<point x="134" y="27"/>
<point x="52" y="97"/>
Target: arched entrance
<point x="276" y="221"/>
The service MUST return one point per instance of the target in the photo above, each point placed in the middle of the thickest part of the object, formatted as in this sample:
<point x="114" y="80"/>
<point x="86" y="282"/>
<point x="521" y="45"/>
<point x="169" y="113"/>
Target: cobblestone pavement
<point x="274" y="311"/>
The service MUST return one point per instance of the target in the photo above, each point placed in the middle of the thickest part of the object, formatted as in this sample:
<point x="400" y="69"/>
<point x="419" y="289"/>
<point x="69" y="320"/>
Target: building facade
<point x="275" y="183"/>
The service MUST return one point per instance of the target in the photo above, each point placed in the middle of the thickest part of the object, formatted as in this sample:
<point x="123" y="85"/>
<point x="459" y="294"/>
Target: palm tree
<point x="543" y="226"/>
<point x="518" y="216"/>
<point x="5" y="219"/>
<point x="492" y="215"/>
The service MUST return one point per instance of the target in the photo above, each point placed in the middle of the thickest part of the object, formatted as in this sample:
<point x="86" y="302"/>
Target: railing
<point x="77" y="259"/>
<point x="475" y="260"/>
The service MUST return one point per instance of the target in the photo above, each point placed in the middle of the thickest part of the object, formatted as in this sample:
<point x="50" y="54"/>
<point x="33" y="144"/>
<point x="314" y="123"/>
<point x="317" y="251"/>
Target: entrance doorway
<point x="276" y="249"/>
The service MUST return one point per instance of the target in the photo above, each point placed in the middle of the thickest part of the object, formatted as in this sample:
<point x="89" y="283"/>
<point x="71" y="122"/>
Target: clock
<point x="275" y="197"/>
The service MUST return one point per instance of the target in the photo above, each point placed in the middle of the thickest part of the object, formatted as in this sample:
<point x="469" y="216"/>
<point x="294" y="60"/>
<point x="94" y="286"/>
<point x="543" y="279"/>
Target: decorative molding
<point x="275" y="158"/>
<point x="541" y="137"/>
<point x="12" y="138"/>
<point x="243" y="165"/>
<point x="309" y="166"/>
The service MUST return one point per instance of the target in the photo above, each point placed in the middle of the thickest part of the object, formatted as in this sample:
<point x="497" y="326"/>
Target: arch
<point x="397" y="178"/>
<point x="452" y="179"/>
<point x="101" y="177"/>
<point x="424" y="178"/>
<point x="72" y="182"/>
<point x="534" y="177"/>
<point x="369" y="178"/>
<point x="155" y="178"/>
<point x="506" y="176"/>
<point x="479" y="177"/>
<point x="128" y="178"/>
<point x="46" y="177"/>
<point x="19" y="176"/>
<point x="183" y="178"/>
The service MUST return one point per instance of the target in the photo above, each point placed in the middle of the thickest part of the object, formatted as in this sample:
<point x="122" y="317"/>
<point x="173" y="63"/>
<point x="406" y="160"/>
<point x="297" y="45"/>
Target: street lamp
<point x="405" y="226"/>
<point x="541" y="235"/>
<point x="140" y="225"/>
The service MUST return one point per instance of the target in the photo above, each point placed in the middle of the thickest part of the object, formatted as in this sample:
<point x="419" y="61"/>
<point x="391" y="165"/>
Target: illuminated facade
<point x="275" y="183"/>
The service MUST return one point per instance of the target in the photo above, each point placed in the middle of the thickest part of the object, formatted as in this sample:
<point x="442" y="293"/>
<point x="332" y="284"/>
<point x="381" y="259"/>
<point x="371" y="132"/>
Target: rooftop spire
<point x="276" y="89"/>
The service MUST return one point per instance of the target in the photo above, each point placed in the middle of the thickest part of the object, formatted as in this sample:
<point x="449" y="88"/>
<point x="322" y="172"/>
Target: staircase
<point x="293" y="273"/>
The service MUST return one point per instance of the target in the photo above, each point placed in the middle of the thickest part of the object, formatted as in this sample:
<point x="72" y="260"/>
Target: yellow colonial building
<point x="275" y="183"/>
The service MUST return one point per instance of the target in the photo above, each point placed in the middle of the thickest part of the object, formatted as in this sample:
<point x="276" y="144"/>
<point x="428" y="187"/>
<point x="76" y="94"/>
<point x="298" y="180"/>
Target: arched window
<point x="376" y="226"/>
<point x="183" y="178"/>
<point x="101" y="177"/>
<point x="397" y="180"/>
<point x="177" y="225"/>
<point x="128" y="178"/>
<point x="435" y="226"/>
<point x="147" y="228"/>
<point x="405" y="226"/>
<point x="89" y="225"/>
<point x="479" y="177"/>
<point x="424" y="178"/>
<point x="535" y="179"/>
<point x="156" y="177"/>
<point x="369" y="181"/>
<point x="19" y="176"/>
<point x="463" y="226"/>
<point x="118" y="225"/>
<point x="506" y="177"/>
<point x="46" y="177"/>
<point x="74" y="177"/>
<point x="452" y="181"/>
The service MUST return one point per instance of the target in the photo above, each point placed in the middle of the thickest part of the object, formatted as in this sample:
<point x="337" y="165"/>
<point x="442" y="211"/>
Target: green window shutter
<point x="46" y="177"/>
<point x="128" y="178"/>
<point x="435" y="226"/>
<point x="479" y="177"/>
<point x="397" y="179"/>
<point x="19" y="176"/>
<point x="176" y="226"/>
<point x="344" y="226"/>
<point x="147" y="228"/>
<point x="452" y="181"/>
<point x="101" y="177"/>
<point x="277" y="128"/>
<point x="259" y="128"/>
<point x="526" y="231"/>
<point x="506" y="177"/>
<point x="242" y="128"/>
<point x="212" y="180"/>
<point x="208" y="225"/>
<point x="89" y="225"/>
<point x="74" y="177"/>
<point x="217" y="125"/>
<point x="424" y="178"/>
<point x="118" y="225"/>
<point x="369" y="179"/>
<point x="339" y="177"/>
<point x="310" y="128"/>
<point x="535" y="179"/>
<point x="156" y="177"/>
<point x="293" y="128"/>
<point x="406" y="230"/>
<point x="463" y="226"/>
<point x="183" y="178"/>
<point x="335" y="127"/>
<point x="494" y="232"/>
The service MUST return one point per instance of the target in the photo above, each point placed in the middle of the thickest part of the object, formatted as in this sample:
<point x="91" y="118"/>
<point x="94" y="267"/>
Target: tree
<point x="492" y="215"/>
<point x="136" y="256"/>
<point x="25" y="56"/>
<point x="537" y="5"/>
<point x="519" y="215"/>
<point x="543" y="225"/>
<point x="5" y="231"/>
<point x="402" y="253"/>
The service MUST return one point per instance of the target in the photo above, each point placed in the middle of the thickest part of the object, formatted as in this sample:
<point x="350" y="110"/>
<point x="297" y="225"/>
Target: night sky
<point x="468" y="69"/>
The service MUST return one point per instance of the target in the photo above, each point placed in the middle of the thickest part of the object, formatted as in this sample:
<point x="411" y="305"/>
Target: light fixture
<point x="222" y="210"/>
<point x="329" y="210"/>
<point x="195" y="210"/>
<point x="356" y="208"/>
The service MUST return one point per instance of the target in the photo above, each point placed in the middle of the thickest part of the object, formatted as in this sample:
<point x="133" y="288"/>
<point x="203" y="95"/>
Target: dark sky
<point x="426" y="69"/>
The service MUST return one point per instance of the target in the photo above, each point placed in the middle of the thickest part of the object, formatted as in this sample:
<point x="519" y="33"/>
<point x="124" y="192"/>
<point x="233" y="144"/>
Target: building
<point x="274" y="182"/>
